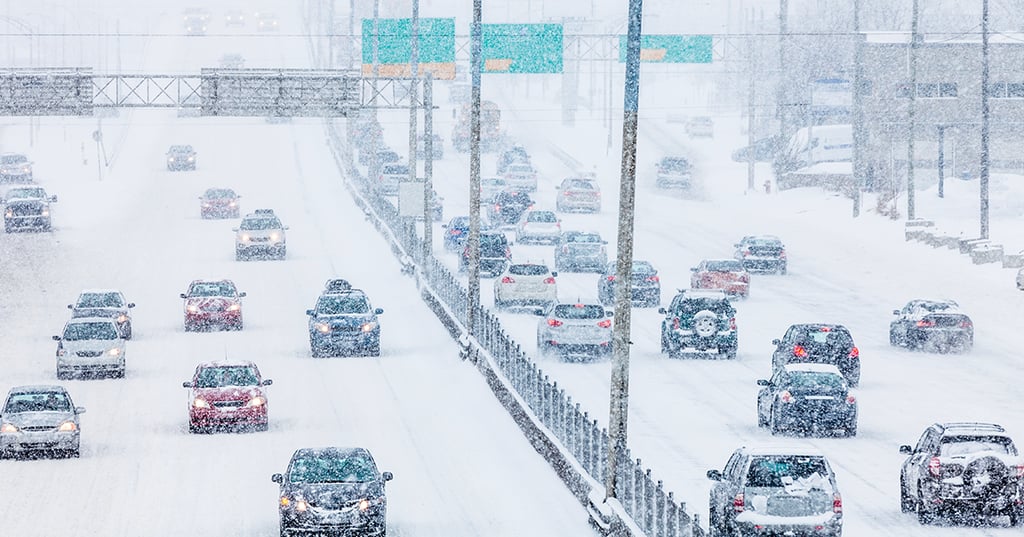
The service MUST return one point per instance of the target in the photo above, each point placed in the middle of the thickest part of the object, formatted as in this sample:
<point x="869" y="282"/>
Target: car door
<point x="902" y="321"/>
<point x="722" y="490"/>
<point x="766" y="395"/>
<point x="918" y="460"/>
<point x="783" y="347"/>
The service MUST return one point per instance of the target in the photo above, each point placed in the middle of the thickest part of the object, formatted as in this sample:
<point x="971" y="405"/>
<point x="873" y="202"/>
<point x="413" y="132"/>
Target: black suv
<point x="963" y="468"/>
<point x="507" y="207"/>
<point x="495" y="253"/>
<point x="819" y="343"/>
<point x="332" y="490"/>
<point x="703" y="321"/>
<point x="762" y="252"/>
<point x="775" y="491"/>
<point x="932" y="324"/>
<point x="645" y="285"/>
<point x="809" y="397"/>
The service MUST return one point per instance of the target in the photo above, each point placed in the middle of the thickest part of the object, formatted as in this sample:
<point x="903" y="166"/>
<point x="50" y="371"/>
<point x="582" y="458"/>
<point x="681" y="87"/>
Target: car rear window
<point x="778" y="470"/>
<point x="88" y="331"/>
<point x="220" y="193"/>
<point x="12" y="159"/>
<point x="825" y="336"/>
<point x="520" y="169"/>
<point x="26" y="193"/>
<point x="724" y="266"/>
<point x="582" y="237"/>
<point x="528" y="270"/>
<point x="542" y="216"/>
<point x="691" y="306"/>
<point x="812" y="380"/>
<point x="332" y="469"/>
<point x="958" y="446"/>
<point x="581" y="184"/>
<point x="579" y="311"/>
<point x="215" y="377"/>
<point x="675" y="165"/>
<point x="38" y="402"/>
<point x="396" y="170"/>
<point x="492" y="241"/>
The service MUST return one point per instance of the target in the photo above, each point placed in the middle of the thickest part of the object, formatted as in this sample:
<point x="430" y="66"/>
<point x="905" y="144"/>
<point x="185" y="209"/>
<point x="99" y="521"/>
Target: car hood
<point x="38" y="419"/>
<point x="342" y="320"/>
<point x="227" y="393"/>
<point x="334" y="495"/>
<point x="92" y="345"/>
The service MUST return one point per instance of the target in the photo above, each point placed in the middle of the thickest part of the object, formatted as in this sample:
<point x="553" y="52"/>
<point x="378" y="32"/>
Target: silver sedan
<point x="39" y="420"/>
<point x="575" y="331"/>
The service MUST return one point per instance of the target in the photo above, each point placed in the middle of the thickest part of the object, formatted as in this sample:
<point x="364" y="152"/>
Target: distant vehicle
<point x="27" y="207"/>
<point x="40" y="420"/>
<point x="763" y="150"/>
<point x="960" y="469"/>
<point x="674" y="172"/>
<point x="521" y="176"/>
<point x="507" y="207"/>
<point x="579" y="194"/>
<point x="495" y="254"/>
<point x="336" y="285"/>
<point x="525" y="284"/>
<point x="181" y="157"/>
<point x="266" y="22"/>
<point x="105" y="303"/>
<point x="775" y="491"/>
<point x="725" y="274"/>
<point x="490" y="128"/>
<point x="807" y="397"/>
<point x="232" y="61"/>
<point x="577" y="331"/>
<point x="539" y="227"/>
<point x="344" y="322"/>
<point x="456" y="231"/>
<point x="581" y="251"/>
<point x="200" y="13"/>
<point x="1020" y="279"/>
<point x="700" y="126"/>
<point x="699" y="322"/>
<point x="810" y="147"/>
<point x="15" y="167"/>
<point x="436" y="146"/>
<point x="332" y="489"/>
<point x="261" y="235"/>
<point x="194" y="24"/>
<point x="389" y="177"/>
<point x="646" y="285"/>
<point x="819" y="343"/>
<point x="932" y="324"/>
<point x="212" y="303"/>
<point x="219" y="203"/>
<point x="234" y="17"/>
<point x="763" y="253"/>
<point x="90" y="345"/>
<point x="227" y="395"/>
<point x="381" y="156"/>
<point x="490" y="187"/>
<point x="512" y="155"/>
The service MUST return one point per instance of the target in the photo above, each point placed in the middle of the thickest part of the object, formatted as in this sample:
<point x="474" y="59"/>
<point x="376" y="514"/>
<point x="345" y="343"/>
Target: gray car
<point x="581" y="251"/>
<point x="39" y="420"/>
<point x="90" y="345"/>
<point x="575" y="331"/>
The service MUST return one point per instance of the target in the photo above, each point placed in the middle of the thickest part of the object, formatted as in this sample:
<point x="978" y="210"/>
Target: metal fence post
<point x="670" y="516"/>
<point x="659" y="510"/>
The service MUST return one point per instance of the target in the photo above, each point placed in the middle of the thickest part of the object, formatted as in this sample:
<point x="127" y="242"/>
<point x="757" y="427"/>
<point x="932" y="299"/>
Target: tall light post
<point x="859" y="131"/>
<point x="985" y="113"/>
<point x="911" y="111"/>
<point x="473" y="241"/>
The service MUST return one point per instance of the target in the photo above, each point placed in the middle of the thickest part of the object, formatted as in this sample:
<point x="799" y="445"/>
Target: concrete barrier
<point x="987" y="253"/>
<point x="966" y="245"/>
<point x="1013" y="260"/>
<point x="915" y="229"/>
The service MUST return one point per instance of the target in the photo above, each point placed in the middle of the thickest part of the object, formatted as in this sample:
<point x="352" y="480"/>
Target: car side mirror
<point x="714" y="475"/>
<point x="235" y="229"/>
<point x="776" y="341"/>
<point x="693" y="269"/>
<point x="242" y="294"/>
<point x="378" y="311"/>
<point x="444" y="226"/>
<point x="183" y="295"/>
<point x="311" y="313"/>
<point x="554" y="273"/>
<point x="186" y="384"/>
<point x="539" y="312"/>
<point x="387" y="476"/>
<point x="284" y="227"/>
<point x="277" y="478"/>
<point x="79" y="410"/>
<point x="906" y="450"/>
<point x="56" y="338"/>
<point x="895" y="312"/>
<point x="267" y="382"/>
<point x="663" y="311"/>
<point x="71" y="306"/>
<point x="131" y="304"/>
<point x="510" y="244"/>
<point x="604" y="242"/>
<point x="763" y="382"/>
<point x="53" y="199"/>
<point x="609" y="313"/>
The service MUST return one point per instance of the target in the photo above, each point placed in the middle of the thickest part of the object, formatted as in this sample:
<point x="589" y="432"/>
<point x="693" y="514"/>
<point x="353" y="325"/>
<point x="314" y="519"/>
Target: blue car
<point x="456" y="231"/>
<point x="344" y="323"/>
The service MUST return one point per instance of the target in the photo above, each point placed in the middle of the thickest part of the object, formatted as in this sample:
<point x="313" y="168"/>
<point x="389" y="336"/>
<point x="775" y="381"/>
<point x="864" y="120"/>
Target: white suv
<point x="260" y="234"/>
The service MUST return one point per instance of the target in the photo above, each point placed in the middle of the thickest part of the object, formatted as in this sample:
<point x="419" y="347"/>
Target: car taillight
<point x="744" y="277"/>
<point x="605" y="323"/>
<point x="497" y="207"/>
<point x="567" y="193"/>
<point x="925" y="323"/>
<point x="799" y="352"/>
<point x="785" y="396"/>
<point x="782" y="254"/>
<point x="549" y="280"/>
<point x="1020" y="470"/>
<point x="455" y="232"/>
<point x="611" y="278"/>
<point x="737" y="503"/>
<point x="558" y="225"/>
<point x="837" y="503"/>
<point x="675" y="323"/>
<point x="652" y="279"/>
<point x="554" y="322"/>
<point x="508" y="253"/>
<point x="746" y="252"/>
<point x="850" y="399"/>
<point x="935" y="466"/>
<point x="854" y="352"/>
<point x="565" y="249"/>
<point x="507" y="279"/>
<point x="732" y="323"/>
<point x="966" y="324"/>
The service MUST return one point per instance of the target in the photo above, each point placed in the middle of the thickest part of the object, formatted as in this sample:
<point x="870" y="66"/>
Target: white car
<point x="575" y="331"/>
<point x="105" y="303"/>
<point x="1020" y="279"/>
<point x="90" y="345"/>
<point x="490" y="186"/>
<point x="539" y="226"/>
<point x="525" y="284"/>
<point x="260" y="234"/>
<point x="521" y="176"/>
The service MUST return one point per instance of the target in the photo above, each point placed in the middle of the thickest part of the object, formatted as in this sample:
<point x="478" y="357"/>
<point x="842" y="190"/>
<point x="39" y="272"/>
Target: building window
<point x="997" y="90"/>
<point x="1015" y="91"/>
<point x="947" y="89"/>
<point x="903" y="91"/>
<point x="927" y="91"/>
<point x="930" y="90"/>
<point x="867" y="88"/>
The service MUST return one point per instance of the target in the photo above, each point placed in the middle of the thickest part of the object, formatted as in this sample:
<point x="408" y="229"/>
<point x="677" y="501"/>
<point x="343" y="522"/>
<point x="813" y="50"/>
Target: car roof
<point x="783" y="449"/>
<point x="37" y="388"/>
<point x="330" y="450"/>
<point x="819" y="326"/>
<point x="956" y="428"/>
<point x="720" y="260"/>
<point x="812" y="368"/>
<point x="762" y="237"/>
<point x="226" y="363"/>
<point x="98" y="291"/>
<point x="712" y="294"/>
<point x="181" y="147"/>
<point x="351" y="291"/>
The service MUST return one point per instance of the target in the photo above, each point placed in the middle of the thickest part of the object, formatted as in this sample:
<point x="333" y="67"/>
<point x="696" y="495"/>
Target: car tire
<point x="195" y="429"/>
<point x="773" y="423"/>
<point x="73" y="453"/>
<point x="119" y="374"/>
<point x="782" y="270"/>
<point x="373" y="351"/>
<point x="730" y="353"/>
<point x="128" y="332"/>
<point x="924" y="515"/>
<point x="894" y="341"/>
<point x="906" y="502"/>
<point x="762" y="421"/>
<point x="851" y="429"/>
<point x="261" y="427"/>
<point x="63" y="374"/>
<point x="1016" y="516"/>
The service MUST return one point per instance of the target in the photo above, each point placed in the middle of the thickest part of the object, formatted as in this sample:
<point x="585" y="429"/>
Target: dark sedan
<point x="819" y="343"/>
<point x="807" y="397"/>
<point x="932" y="324"/>
<point x="646" y="285"/>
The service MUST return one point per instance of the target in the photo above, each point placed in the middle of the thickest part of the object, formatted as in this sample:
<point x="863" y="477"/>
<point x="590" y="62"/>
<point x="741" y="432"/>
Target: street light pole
<point x="911" y="119"/>
<point x="985" y="113"/>
<point x="859" y="132"/>
<point x="624" y="260"/>
<point x="473" y="241"/>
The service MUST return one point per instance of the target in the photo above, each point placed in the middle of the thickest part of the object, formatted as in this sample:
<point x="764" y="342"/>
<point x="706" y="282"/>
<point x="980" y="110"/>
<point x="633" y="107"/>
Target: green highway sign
<point x="435" y="47"/>
<point x="671" y="48"/>
<point x="522" y="48"/>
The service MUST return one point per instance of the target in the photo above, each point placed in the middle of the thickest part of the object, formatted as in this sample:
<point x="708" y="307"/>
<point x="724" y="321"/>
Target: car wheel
<point x="906" y="502"/>
<point x="128" y="332"/>
<point x="194" y="429"/>
<point x="317" y="351"/>
<point x="62" y="374"/>
<point x="851" y="429"/>
<point x="73" y="453"/>
<point x="924" y="515"/>
<point x="262" y="427"/>
<point x="762" y="420"/>
<point x="1016" y="516"/>
<point x="730" y="353"/>
<point x="774" y="424"/>
<point x="894" y="341"/>
<point x="119" y="374"/>
<point x="373" y="351"/>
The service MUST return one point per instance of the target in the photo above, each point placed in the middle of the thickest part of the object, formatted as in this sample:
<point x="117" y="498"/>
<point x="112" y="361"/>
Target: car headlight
<point x="323" y="328"/>
<point x="234" y="307"/>
<point x="114" y="352"/>
<point x="232" y="204"/>
<point x="199" y="402"/>
<point x="190" y="159"/>
<point x="67" y="427"/>
<point x="192" y="308"/>
<point x="256" y="401"/>
<point x="170" y="159"/>
<point x="122" y="318"/>
<point x="9" y="214"/>
<point x="364" y="504"/>
<point x="297" y="503"/>
<point x="275" y="237"/>
<point x="45" y="212"/>
<point x="368" y="327"/>
<point x="8" y="428"/>
<point x="245" y="237"/>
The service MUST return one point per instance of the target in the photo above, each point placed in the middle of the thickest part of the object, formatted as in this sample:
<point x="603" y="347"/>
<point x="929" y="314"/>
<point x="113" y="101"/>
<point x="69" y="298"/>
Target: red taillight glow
<point x="854" y="352"/>
<point x="966" y="324"/>
<point x="799" y="352"/>
<point x="565" y="249"/>
<point x="605" y="323"/>
<point x="567" y="193"/>
<point x="785" y="396"/>
<point x="497" y="207"/>
<point x="549" y="280"/>
<point x="935" y="466"/>
<point x="1020" y="470"/>
<point x="825" y="329"/>
<point x="455" y="232"/>
<point x="738" y="503"/>
<point x="508" y="252"/>
<point x="746" y="252"/>
<point x="507" y="279"/>
<point x="850" y="399"/>
<point x="925" y="323"/>
<point x="732" y="323"/>
<point x="611" y="278"/>
<point x="837" y="503"/>
<point x="653" y="279"/>
<point x="782" y="254"/>
<point x="554" y="322"/>
<point x="675" y="323"/>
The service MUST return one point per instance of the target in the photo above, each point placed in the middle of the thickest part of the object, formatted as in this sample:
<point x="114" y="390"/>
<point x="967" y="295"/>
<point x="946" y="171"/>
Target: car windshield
<point x="780" y="470"/>
<point x="13" y="159"/>
<point x="252" y="224"/>
<point x="815" y="380"/>
<point x="542" y="216"/>
<point x="89" y="331"/>
<point x="960" y="446"/>
<point x="643" y="267"/>
<point x="579" y="311"/>
<point x="527" y="270"/>
<point x="492" y="241"/>
<point x="99" y="300"/>
<point x="26" y="193"/>
<point x="726" y="265"/>
<point x="764" y="242"/>
<point x="459" y="222"/>
<point x="339" y="304"/>
<point x="582" y="237"/>
<point x="332" y="469"/>
<point x="691" y="306"/>
<point x="936" y="306"/>
<point x="212" y="289"/>
<point x="675" y="165"/>
<point x="514" y="197"/>
<point x="219" y="193"/>
<point x="215" y="377"/>
<point x="38" y="402"/>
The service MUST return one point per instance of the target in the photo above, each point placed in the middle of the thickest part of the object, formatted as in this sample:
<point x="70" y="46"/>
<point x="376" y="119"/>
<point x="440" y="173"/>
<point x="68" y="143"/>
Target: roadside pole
<point x="473" y="241"/>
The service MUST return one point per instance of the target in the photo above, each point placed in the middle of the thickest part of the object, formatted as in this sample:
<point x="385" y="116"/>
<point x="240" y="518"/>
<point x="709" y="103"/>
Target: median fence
<point x="566" y="435"/>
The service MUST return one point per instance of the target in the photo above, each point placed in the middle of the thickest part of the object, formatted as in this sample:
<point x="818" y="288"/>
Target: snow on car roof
<point x="704" y="293"/>
<point x="37" y="388"/>
<point x="98" y="291"/>
<point x="784" y="449"/>
<point x="813" y="368"/>
<point x="227" y="362"/>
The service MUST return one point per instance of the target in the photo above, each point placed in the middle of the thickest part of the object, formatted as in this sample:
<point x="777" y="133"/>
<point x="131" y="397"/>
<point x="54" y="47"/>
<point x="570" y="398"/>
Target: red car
<point x="219" y="203"/>
<point x="212" y="303"/>
<point x="227" y="395"/>
<point x="725" y="274"/>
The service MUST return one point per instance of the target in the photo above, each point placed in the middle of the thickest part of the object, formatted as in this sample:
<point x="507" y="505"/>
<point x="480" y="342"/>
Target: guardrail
<point x="573" y="442"/>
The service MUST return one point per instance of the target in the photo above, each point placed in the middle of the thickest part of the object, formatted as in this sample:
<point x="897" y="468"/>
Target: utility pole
<point x="624" y="260"/>
<point x="780" y="97"/>
<point x="911" y="119"/>
<point x="413" y="105"/>
<point x="751" y="77"/>
<point x="473" y="241"/>
<point x="942" y="160"/>
<point x="352" y="52"/>
<point x="859" y="132"/>
<point x="374" y="167"/>
<point x="428" y="165"/>
<point x="985" y="113"/>
<point x="330" y="34"/>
